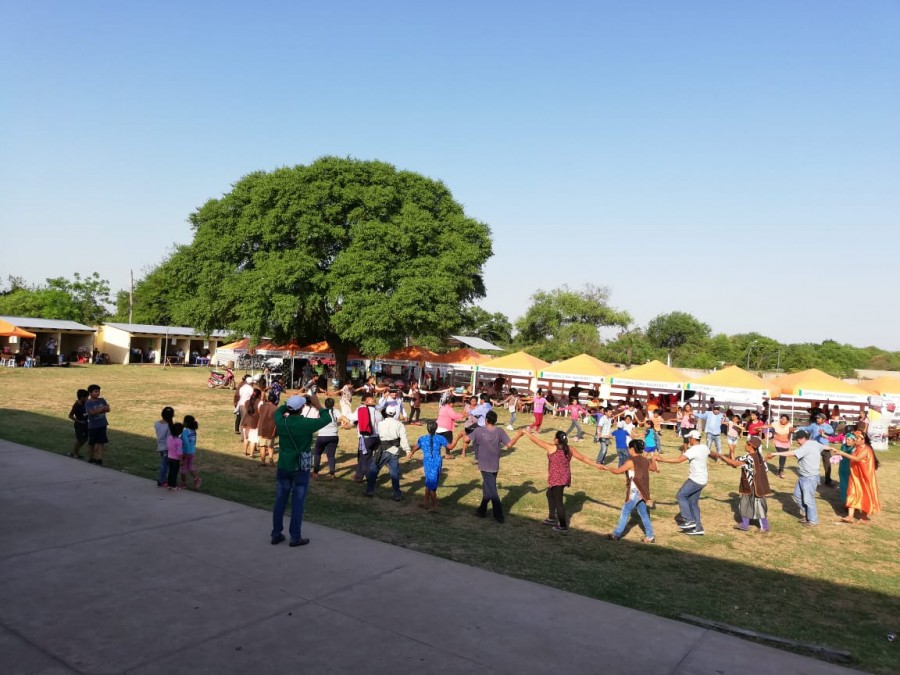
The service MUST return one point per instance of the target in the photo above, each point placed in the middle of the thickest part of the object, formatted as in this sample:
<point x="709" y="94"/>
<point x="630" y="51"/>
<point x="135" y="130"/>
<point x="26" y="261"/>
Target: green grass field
<point x="836" y="585"/>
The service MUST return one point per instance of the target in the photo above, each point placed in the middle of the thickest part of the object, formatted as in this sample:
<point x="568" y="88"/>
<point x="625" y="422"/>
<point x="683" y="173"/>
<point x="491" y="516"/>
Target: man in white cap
<point x="698" y="476"/>
<point x="393" y="437"/>
<point x="294" y="463"/>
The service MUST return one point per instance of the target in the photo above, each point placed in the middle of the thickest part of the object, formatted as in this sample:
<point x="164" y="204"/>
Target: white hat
<point x="694" y="434"/>
<point x="296" y="402"/>
<point x="620" y="425"/>
<point x="390" y="410"/>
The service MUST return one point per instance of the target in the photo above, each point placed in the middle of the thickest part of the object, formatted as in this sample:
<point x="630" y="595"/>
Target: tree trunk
<point x="340" y="349"/>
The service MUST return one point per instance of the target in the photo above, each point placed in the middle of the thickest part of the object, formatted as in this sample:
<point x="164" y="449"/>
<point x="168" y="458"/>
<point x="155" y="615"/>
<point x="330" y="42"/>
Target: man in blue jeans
<point x="698" y="476"/>
<point x="637" y="469"/>
<point x="808" y="465"/>
<point x="393" y="438"/>
<point x="294" y="463"/>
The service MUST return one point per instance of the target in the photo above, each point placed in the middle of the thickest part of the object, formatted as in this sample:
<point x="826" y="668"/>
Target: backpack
<point x="364" y="421"/>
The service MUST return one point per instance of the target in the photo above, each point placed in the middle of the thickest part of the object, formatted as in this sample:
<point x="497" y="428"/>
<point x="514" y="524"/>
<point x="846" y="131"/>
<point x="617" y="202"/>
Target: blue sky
<point x="738" y="161"/>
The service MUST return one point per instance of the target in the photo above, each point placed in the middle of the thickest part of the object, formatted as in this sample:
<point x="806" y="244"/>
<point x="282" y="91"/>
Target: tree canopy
<point x="493" y="327"/>
<point x="82" y="299"/>
<point x="562" y="322"/>
<point x="354" y="252"/>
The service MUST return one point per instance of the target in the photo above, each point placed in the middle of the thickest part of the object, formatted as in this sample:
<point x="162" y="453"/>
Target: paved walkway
<point x="104" y="573"/>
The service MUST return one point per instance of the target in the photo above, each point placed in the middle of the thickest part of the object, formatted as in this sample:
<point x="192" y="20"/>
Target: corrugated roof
<point x="176" y="331"/>
<point x="477" y="343"/>
<point x="46" y="324"/>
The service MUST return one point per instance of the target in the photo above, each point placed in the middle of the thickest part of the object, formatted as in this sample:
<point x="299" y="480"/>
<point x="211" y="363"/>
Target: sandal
<point x="847" y="519"/>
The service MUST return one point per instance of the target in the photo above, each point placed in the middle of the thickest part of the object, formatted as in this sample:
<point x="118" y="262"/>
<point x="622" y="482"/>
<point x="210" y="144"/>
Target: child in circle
<point x="431" y="446"/>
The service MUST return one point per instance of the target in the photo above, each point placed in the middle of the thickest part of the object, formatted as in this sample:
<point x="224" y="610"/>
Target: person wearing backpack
<point x="366" y="417"/>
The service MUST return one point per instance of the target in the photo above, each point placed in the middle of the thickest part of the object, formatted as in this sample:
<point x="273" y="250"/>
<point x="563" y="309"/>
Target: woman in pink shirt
<point x="446" y="420"/>
<point x="537" y="408"/>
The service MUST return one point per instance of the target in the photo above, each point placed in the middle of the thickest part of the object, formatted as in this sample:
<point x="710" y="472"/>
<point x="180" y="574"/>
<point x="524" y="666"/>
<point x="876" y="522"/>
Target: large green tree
<point x="353" y="252"/>
<point x="675" y="330"/>
<point x="563" y="322"/>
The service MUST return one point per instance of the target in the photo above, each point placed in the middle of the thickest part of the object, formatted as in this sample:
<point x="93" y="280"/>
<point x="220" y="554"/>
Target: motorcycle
<point x="224" y="380"/>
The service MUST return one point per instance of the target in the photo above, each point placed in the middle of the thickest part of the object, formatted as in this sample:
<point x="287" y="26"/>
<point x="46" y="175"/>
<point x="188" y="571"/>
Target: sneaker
<point x="559" y="528"/>
<point x="695" y="532"/>
<point x="509" y="426"/>
<point x="648" y="540"/>
<point x="277" y="539"/>
<point x="612" y="537"/>
<point x="298" y="542"/>
<point x="809" y="523"/>
<point x="741" y="528"/>
<point x="398" y="498"/>
<point x="551" y="521"/>
<point x="688" y="525"/>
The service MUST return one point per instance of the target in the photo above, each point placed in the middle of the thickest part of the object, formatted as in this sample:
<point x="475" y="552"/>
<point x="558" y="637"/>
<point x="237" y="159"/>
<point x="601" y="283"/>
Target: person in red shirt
<point x="756" y="425"/>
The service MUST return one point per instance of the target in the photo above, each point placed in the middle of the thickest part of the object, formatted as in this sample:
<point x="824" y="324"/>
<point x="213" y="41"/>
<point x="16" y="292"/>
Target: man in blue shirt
<point x="713" y="427"/>
<point x="622" y="439"/>
<point x="808" y="467"/>
<point x="819" y="431"/>
<point x="482" y="409"/>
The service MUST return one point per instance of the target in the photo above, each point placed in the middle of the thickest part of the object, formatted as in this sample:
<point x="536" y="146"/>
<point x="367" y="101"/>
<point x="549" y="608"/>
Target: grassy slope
<point x="837" y="585"/>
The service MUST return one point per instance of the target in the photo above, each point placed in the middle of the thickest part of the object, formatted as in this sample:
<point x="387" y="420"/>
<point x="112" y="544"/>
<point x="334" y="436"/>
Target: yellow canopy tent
<point x="582" y="368"/>
<point x="889" y="387"/>
<point x="520" y="366"/>
<point x="814" y="385"/>
<point x="734" y="385"/>
<point x="520" y="363"/>
<point x="653" y="375"/>
<point x="458" y="359"/>
<point x="883" y="386"/>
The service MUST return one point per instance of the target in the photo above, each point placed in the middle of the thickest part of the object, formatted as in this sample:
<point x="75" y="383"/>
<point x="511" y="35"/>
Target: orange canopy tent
<point x="9" y="330"/>
<point x="734" y="385"/>
<point x="408" y="356"/>
<point x="321" y="350"/>
<point x="582" y="368"/>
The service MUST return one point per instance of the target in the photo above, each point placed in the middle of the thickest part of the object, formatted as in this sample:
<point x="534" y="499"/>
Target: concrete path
<point x="104" y="573"/>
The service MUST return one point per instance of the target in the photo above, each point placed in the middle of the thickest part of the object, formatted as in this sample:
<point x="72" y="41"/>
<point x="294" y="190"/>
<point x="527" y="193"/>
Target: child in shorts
<point x="733" y="434"/>
<point x="189" y="451"/>
<point x="79" y="418"/>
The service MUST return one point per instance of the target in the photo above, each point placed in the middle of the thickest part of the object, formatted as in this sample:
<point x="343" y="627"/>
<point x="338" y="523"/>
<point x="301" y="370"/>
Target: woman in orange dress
<point x="862" y="492"/>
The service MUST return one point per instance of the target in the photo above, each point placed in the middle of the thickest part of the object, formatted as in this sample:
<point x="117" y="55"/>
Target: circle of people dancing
<point x="301" y="430"/>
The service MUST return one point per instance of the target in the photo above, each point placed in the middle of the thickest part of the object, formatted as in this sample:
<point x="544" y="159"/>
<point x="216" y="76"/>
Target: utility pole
<point x="131" y="299"/>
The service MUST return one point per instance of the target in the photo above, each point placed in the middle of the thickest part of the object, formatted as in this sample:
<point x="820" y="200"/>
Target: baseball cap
<point x="620" y="425"/>
<point x="754" y="442"/>
<point x="717" y="407"/>
<point x="296" y="402"/>
<point x="694" y="434"/>
<point x="800" y="434"/>
<point x="390" y="411"/>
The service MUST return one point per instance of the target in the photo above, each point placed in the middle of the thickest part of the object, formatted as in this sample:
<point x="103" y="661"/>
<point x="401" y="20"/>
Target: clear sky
<point x="736" y="160"/>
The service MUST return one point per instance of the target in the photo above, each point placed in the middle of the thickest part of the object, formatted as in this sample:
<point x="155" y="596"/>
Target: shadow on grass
<point x="656" y="578"/>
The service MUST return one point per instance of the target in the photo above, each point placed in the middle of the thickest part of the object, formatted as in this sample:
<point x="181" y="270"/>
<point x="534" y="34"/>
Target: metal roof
<point x="175" y="331"/>
<point x="31" y="323"/>
<point x="476" y="343"/>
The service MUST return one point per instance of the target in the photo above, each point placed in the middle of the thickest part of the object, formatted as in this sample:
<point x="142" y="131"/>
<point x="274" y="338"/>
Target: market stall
<point x="665" y="384"/>
<point x="810" y="388"/>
